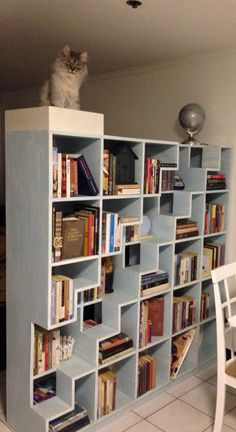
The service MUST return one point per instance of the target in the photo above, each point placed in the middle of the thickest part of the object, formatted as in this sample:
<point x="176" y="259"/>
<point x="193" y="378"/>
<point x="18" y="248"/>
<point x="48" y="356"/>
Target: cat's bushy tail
<point x="44" y="94"/>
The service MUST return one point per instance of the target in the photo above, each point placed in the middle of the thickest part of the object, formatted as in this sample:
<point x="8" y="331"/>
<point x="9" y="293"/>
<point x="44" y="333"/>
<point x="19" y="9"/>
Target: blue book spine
<point x="112" y="232"/>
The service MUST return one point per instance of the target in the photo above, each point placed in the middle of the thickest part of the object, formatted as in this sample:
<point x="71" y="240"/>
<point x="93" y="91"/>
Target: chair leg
<point x="220" y="404"/>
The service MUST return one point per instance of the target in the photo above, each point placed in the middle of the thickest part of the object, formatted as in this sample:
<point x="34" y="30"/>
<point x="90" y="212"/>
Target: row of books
<point x="216" y="181"/>
<point x="72" y="175"/>
<point x="109" y="172"/>
<point x="167" y="180"/>
<point x="106" y="392"/>
<point x="183" y="312"/>
<point x="76" y="234"/>
<point x="92" y="294"/>
<point x="132" y="233"/>
<point x="151" y="176"/>
<point x="186" y="267"/>
<point x="50" y="348"/>
<point x="115" y="347"/>
<point x="111" y="232"/>
<point x="214" y="218"/>
<point x="147" y="371"/>
<point x="205" y="305"/>
<point x="186" y="228"/>
<point x="71" y="421"/>
<point x="213" y="257"/>
<point x="154" y="282"/>
<point x="62" y="299"/>
<point x="151" y="320"/>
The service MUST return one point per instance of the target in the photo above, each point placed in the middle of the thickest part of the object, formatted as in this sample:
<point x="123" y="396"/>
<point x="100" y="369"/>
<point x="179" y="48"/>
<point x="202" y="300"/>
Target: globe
<point x="191" y="118"/>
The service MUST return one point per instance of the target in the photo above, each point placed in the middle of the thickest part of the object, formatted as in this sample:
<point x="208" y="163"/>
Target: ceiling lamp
<point x="134" y="3"/>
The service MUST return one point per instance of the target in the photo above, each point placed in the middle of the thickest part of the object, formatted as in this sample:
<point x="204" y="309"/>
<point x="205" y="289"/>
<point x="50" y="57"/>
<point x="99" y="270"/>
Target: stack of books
<point x="106" y="392"/>
<point x="115" y="347"/>
<point x="151" y="320"/>
<point x="89" y="323"/>
<point x="127" y="189"/>
<point x="186" y="267"/>
<point x="213" y="257"/>
<point x="70" y="422"/>
<point x="154" y="282"/>
<point x="216" y="181"/>
<point x="50" y="348"/>
<point x="152" y="176"/>
<point x="111" y="232"/>
<point x="186" y="228"/>
<point x="183" y="312"/>
<point x="205" y="305"/>
<point x="72" y="176"/>
<point x="44" y="388"/>
<point x="62" y="299"/>
<point x="147" y="370"/>
<point x="214" y="218"/>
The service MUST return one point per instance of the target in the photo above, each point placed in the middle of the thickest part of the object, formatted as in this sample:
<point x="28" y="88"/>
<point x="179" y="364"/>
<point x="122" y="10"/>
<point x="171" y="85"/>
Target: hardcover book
<point x="180" y="347"/>
<point x="73" y="237"/>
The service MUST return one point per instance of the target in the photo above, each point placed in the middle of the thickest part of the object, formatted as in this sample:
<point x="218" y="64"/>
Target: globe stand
<point x="192" y="141"/>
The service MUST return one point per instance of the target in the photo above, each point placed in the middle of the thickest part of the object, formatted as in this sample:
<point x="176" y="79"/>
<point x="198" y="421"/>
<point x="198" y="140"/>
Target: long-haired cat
<point x="68" y="73"/>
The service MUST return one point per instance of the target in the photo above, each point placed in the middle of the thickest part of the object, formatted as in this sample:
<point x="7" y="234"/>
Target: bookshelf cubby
<point x="31" y="135"/>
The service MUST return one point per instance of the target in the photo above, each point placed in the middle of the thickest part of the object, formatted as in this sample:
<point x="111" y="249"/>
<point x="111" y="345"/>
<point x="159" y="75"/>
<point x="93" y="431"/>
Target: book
<point x="155" y="289"/>
<point x="128" y="219"/>
<point x="86" y="182"/>
<point x="71" y="418"/>
<point x="105" y="172"/>
<point x="180" y="347"/>
<point x="187" y="234"/>
<point x="168" y="165"/>
<point x="156" y="315"/>
<point x="116" y="356"/>
<point x="73" y="237"/>
<point x="113" y="341"/>
<point x="108" y="353"/>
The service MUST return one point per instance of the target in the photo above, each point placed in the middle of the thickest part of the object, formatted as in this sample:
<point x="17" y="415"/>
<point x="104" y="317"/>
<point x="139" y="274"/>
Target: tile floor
<point x="186" y="407"/>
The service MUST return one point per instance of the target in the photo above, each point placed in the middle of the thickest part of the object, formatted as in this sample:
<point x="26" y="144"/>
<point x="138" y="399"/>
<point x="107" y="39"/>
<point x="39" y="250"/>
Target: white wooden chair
<point x="222" y="278"/>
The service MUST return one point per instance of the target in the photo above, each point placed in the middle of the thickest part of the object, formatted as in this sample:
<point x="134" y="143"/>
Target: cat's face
<point x="74" y="62"/>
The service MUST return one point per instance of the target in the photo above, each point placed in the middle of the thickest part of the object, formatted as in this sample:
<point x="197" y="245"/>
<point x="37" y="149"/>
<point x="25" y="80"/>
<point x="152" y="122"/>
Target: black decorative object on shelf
<point x="125" y="164"/>
<point x="134" y="3"/>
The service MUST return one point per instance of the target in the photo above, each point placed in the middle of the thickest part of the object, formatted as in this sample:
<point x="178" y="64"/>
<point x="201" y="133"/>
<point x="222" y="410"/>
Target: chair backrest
<point x="222" y="278"/>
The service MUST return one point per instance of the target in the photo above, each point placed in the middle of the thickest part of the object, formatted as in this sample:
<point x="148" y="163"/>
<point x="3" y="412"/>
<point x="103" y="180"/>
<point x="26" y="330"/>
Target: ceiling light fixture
<point x="134" y="3"/>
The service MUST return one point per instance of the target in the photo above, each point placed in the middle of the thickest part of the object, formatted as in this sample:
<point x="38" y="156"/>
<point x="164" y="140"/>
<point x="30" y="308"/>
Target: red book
<point x="63" y="175"/>
<point x="156" y="315"/>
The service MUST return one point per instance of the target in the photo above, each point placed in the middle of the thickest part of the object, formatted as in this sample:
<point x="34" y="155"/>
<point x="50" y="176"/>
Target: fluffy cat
<point x="68" y="73"/>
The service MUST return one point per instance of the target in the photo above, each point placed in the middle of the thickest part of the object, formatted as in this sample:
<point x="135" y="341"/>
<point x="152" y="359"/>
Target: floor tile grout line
<point x="202" y="412"/>
<point x="141" y="419"/>
<point x="163" y="430"/>
<point x="175" y="398"/>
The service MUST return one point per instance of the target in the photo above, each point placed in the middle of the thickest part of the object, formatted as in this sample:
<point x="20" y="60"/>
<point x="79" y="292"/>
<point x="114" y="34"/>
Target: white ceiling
<point x="114" y="35"/>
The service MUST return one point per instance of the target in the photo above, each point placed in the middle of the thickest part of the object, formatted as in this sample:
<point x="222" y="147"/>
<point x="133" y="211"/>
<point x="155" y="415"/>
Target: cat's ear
<point x="84" y="57"/>
<point x="66" y="50"/>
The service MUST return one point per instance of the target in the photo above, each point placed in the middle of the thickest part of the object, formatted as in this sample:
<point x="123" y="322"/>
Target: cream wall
<point x="145" y="103"/>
